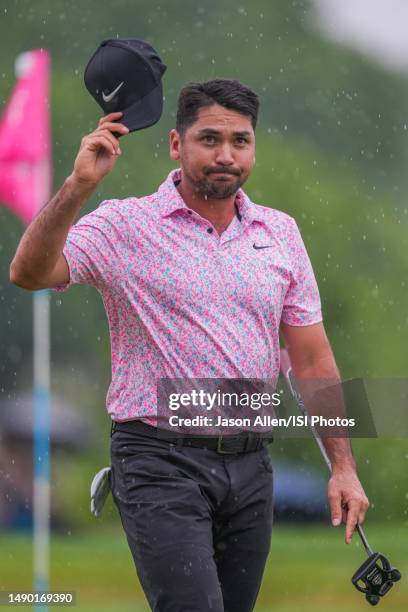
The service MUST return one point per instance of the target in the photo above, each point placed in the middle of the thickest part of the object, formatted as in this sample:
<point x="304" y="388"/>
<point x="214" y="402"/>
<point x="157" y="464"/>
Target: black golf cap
<point x="125" y="75"/>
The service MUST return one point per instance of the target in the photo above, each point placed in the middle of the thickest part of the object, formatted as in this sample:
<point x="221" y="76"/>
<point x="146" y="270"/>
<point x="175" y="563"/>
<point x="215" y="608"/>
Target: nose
<point x="224" y="155"/>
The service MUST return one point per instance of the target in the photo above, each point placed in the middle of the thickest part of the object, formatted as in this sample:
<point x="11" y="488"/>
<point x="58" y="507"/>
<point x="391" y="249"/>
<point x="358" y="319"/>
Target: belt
<point x="226" y="445"/>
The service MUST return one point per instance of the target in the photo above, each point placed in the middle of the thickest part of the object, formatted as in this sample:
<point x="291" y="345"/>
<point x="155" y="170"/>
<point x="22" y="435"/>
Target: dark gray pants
<point x="198" y="523"/>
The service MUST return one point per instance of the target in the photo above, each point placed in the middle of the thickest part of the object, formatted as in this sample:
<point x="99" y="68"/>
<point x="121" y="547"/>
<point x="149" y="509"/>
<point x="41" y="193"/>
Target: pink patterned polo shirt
<point x="185" y="302"/>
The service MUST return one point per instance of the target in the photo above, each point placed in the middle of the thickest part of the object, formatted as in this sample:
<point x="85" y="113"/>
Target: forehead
<point x="222" y="119"/>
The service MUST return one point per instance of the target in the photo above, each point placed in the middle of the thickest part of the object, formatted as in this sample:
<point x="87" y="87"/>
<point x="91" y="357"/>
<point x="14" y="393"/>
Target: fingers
<point x="102" y="140"/>
<point x="364" y="506"/>
<point x="110" y="117"/>
<point x="106" y="129"/>
<point x="354" y="513"/>
<point x="348" y="502"/>
<point x="352" y="519"/>
<point x="113" y="127"/>
<point x="108" y="134"/>
<point x="110" y="122"/>
<point x="335" y="505"/>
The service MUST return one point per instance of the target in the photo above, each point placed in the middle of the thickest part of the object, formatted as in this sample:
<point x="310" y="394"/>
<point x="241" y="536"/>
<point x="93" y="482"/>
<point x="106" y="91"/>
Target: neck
<point x="218" y="212"/>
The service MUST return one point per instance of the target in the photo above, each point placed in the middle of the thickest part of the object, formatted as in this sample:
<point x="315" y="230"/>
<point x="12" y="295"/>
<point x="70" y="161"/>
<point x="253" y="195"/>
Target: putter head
<point x="375" y="577"/>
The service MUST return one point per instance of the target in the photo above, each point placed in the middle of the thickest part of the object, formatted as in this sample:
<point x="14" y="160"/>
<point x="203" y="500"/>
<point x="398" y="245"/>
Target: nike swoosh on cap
<point x="266" y="246"/>
<point x="109" y="97"/>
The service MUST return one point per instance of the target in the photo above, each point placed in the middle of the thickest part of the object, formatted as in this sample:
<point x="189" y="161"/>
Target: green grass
<point x="308" y="569"/>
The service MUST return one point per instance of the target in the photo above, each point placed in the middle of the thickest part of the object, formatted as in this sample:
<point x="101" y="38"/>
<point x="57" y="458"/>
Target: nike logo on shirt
<point x="266" y="246"/>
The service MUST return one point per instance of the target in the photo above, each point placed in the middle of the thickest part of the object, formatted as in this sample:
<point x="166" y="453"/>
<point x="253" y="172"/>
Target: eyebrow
<point x="212" y="131"/>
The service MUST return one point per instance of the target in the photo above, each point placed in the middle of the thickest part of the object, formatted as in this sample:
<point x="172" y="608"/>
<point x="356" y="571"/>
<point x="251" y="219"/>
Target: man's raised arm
<point x="39" y="262"/>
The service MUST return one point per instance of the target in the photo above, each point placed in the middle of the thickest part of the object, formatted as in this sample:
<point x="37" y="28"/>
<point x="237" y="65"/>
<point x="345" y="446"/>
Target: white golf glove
<point x="100" y="488"/>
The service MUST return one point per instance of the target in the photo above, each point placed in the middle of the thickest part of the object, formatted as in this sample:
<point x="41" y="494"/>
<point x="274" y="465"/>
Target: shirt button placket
<point x="210" y="230"/>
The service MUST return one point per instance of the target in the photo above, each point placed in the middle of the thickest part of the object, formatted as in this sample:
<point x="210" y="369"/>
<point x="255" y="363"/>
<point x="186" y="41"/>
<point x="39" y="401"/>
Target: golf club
<point x="375" y="576"/>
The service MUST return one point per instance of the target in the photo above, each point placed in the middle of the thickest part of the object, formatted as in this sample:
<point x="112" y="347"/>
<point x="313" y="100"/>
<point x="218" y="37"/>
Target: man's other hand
<point x="348" y="502"/>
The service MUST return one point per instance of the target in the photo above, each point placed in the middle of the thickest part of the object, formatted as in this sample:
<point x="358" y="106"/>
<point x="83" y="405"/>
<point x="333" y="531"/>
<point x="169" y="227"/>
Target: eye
<point x="241" y="140"/>
<point x="209" y="138"/>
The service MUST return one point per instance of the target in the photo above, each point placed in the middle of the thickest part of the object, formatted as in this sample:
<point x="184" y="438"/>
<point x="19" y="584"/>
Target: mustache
<point x="223" y="170"/>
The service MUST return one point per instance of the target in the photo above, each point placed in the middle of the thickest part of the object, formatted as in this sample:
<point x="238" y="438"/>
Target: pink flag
<point x="25" y="148"/>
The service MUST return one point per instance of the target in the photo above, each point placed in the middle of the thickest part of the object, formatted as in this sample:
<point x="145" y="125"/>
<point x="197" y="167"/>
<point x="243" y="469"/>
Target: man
<point x="197" y="281"/>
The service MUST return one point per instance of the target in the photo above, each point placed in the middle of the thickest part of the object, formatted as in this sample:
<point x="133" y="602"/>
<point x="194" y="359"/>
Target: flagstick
<point x="41" y="445"/>
<point x="25" y="145"/>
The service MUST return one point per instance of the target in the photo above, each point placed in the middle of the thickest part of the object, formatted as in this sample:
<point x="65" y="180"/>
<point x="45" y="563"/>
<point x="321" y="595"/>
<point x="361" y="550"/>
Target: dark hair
<point x="226" y="92"/>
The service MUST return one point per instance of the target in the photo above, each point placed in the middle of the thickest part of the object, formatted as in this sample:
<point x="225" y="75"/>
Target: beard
<point x="215" y="187"/>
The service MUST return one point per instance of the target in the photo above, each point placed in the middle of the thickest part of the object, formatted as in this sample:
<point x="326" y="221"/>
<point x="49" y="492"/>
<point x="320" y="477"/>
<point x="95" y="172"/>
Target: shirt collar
<point x="170" y="200"/>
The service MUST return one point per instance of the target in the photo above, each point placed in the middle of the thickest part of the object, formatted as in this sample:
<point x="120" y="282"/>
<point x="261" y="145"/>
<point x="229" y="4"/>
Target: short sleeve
<point x="302" y="301"/>
<point x="94" y="246"/>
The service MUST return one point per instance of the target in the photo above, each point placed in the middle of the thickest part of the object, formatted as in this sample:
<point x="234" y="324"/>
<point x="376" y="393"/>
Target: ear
<point x="175" y="141"/>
